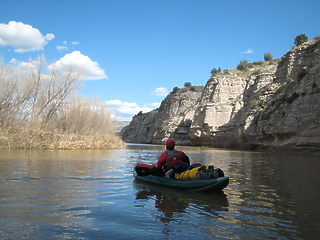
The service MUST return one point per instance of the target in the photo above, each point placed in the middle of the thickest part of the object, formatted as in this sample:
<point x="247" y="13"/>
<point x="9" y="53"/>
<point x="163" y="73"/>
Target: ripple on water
<point x="92" y="195"/>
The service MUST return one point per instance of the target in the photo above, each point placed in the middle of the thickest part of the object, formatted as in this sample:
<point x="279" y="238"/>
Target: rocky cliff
<point x="265" y="104"/>
<point x="172" y="119"/>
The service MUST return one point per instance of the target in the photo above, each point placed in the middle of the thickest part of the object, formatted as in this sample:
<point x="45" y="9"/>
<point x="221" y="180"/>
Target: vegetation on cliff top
<point x="300" y="39"/>
<point x="39" y="109"/>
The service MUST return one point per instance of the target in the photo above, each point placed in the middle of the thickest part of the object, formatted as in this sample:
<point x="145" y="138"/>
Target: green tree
<point x="187" y="84"/>
<point x="174" y="90"/>
<point x="215" y="71"/>
<point x="268" y="56"/>
<point x="243" y="65"/>
<point x="317" y="38"/>
<point x="301" y="38"/>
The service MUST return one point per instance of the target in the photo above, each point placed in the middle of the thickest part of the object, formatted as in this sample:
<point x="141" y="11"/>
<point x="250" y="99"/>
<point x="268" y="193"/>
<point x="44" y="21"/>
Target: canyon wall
<point x="266" y="104"/>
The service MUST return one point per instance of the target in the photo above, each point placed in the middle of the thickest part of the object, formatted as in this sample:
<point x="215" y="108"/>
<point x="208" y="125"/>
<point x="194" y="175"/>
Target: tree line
<point x="244" y="64"/>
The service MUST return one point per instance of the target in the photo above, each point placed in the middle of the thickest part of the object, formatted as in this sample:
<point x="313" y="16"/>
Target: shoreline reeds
<point x="39" y="108"/>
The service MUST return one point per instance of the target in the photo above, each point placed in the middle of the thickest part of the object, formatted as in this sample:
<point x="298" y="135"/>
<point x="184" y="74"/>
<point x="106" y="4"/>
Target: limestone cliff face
<point x="270" y="104"/>
<point x="140" y="129"/>
<point x="169" y="120"/>
<point x="230" y="105"/>
<point x="291" y="116"/>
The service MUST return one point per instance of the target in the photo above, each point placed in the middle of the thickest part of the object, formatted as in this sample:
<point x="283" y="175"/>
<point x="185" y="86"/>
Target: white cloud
<point x="62" y="48"/>
<point x="125" y="109"/>
<point x="22" y="37"/>
<point x="65" y="46"/>
<point x="33" y="65"/>
<point x="50" y="36"/>
<point x="160" y="91"/>
<point x="76" y="61"/>
<point x="89" y="70"/>
<point x="155" y="105"/>
<point x="249" y="51"/>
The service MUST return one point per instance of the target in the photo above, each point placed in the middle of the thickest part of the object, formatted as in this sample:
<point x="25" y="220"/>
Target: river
<point x="91" y="194"/>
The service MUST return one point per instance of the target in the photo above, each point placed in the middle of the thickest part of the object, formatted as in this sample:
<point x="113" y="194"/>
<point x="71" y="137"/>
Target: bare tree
<point x="38" y="108"/>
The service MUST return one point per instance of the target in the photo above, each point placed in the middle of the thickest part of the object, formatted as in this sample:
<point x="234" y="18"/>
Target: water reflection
<point x="191" y="213"/>
<point x="171" y="202"/>
<point x="270" y="191"/>
<point x="52" y="188"/>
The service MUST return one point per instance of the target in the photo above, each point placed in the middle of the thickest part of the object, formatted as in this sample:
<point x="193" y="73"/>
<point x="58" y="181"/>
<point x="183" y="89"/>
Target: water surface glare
<point x="91" y="194"/>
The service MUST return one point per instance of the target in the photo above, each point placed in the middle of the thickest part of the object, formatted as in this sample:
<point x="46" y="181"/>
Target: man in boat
<point x="172" y="158"/>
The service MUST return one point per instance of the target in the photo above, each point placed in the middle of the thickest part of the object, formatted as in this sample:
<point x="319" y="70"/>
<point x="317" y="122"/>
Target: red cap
<point x="170" y="143"/>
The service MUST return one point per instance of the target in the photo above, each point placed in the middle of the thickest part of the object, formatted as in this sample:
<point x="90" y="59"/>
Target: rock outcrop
<point x="172" y="119"/>
<point x="266" y="104"/>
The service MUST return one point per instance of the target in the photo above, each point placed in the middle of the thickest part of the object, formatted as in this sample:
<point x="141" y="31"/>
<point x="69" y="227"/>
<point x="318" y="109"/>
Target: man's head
<point x="170" y="144"/>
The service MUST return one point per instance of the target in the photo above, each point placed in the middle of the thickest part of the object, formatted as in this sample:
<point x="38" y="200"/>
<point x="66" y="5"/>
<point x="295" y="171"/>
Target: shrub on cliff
<point x="192" y="89"/>
<point x="243" y="65"/>
<point x="215" y="71"/>
<point x="317" y="38"/>
<point x="300" y="39"/>
<point x="187" y="84"/>
<point x="174" y="90"/>
<point x="268" y="56"/>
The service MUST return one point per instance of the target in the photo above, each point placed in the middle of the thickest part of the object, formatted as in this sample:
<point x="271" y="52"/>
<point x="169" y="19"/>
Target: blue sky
<point x="133" y="52"/>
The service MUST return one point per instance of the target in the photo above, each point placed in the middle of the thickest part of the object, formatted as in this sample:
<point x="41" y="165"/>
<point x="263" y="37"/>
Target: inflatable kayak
<point x="214" y="184"/>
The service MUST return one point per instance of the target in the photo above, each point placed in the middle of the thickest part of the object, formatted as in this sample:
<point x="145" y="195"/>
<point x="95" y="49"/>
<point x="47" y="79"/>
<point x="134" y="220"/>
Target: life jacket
<point x="173" y="160"/>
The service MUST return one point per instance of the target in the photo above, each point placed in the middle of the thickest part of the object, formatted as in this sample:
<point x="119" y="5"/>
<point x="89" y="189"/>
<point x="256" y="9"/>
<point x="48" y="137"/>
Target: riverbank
<point x="42" y="139"/>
